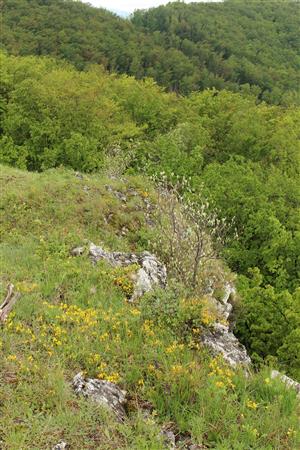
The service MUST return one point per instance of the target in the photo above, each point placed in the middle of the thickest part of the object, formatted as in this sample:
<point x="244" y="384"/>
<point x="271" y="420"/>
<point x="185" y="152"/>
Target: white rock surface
<point x="77" y="251"/>
<point x="220" y="340"/>
<point x="60" y="446"/>
<point x="104" y="393"/>
<point x="169" y="439"/>
<point x="289" y="382"/>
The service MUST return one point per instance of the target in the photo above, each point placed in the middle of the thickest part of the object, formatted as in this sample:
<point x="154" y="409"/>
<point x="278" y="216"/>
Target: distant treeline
<point x="236" y="44"/>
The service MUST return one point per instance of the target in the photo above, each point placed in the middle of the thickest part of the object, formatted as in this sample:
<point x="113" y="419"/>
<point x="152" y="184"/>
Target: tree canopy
<point x="236" y="45"/>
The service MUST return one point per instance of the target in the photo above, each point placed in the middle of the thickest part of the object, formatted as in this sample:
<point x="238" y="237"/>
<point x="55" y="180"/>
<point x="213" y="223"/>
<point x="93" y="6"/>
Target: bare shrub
<point x="189" y="232"/>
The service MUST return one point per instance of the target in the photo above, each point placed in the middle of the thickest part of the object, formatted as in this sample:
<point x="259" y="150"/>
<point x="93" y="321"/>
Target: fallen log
<point x="9" y="301"/>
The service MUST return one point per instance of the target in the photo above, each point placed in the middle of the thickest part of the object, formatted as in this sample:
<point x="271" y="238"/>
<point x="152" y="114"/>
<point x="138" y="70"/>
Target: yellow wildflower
<point x="251" y="404"/>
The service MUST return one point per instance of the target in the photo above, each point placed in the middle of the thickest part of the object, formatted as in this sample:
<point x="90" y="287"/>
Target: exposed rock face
<point x="102" y="392"/>
<point x="10" y="299"/>
<point x="287" y="381"/>
<point x="220" y="340"/>
<point x="229" y="293"/>
<point x="218" y="337"/>
<point x="151" y="273"/>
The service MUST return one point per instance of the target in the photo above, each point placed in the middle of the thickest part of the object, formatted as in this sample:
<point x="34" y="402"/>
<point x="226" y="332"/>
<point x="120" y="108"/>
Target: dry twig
<point x="9" y="301"/>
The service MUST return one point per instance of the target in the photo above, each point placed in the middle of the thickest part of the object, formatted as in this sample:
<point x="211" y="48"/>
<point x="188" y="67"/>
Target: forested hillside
<point x="236" y="45"/>
<point x="228" y="45"/>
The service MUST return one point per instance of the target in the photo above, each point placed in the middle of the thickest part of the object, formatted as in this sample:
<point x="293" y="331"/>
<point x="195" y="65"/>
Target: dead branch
<point x="9" y="301"/>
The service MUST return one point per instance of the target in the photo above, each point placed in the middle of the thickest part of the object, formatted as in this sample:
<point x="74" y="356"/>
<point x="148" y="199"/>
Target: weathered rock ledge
<point x="220" y="340"/>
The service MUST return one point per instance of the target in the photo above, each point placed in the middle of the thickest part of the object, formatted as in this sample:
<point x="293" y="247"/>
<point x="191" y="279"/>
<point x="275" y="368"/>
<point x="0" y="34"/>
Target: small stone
<point x="119" y="195"/>
<point x="77" y="251"/>
<point x="169" y="439"/>
<point x="61" y="446"/>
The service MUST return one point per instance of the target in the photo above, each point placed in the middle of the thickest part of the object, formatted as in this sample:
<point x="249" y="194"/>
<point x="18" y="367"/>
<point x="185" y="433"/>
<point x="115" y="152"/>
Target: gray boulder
<point x="105" y="393"/>
<point x="169" y="439"/>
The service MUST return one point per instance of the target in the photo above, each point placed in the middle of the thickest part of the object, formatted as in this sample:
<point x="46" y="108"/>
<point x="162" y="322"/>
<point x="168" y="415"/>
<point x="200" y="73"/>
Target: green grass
<point x="73" y="316"/>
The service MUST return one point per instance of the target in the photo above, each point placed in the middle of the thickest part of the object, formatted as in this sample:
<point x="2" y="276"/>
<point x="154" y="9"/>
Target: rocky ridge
<point x="217" y="337"/>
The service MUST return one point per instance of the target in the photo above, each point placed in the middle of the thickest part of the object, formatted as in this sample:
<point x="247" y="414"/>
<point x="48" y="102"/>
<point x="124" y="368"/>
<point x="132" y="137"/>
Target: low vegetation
<point x="73" y="316"/>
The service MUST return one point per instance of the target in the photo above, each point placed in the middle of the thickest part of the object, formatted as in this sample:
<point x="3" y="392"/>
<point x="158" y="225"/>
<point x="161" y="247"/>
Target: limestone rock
<point x="223" y="311"/>
<point x="224" y="305"/>
<point x="220" y="340"/>
<point x="150" y="274"/>
<point x="9" y="301"/>
<point x="104" y="393"/>
<point x="218" y="337"/>
<point x="289" y="382"/>
<point x="229" y="292"/>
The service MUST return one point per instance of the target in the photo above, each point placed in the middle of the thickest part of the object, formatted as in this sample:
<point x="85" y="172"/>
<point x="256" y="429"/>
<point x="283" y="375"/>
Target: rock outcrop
<point x="77" y="251"/>
<point x="225" y="301"/>
<point x="220" y="340"/>
<point x="151" y="273"/>
<point x="105" y="393"/>
<point x="289" y="382"/>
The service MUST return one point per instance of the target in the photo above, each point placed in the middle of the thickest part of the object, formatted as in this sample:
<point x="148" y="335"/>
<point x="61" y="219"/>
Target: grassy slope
<point x="73" y="316"/>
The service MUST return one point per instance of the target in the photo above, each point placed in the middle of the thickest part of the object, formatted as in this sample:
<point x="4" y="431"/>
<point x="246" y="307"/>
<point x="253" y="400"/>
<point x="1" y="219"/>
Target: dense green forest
<point x="235" y="45"/>
<point x="96" y="113"/>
